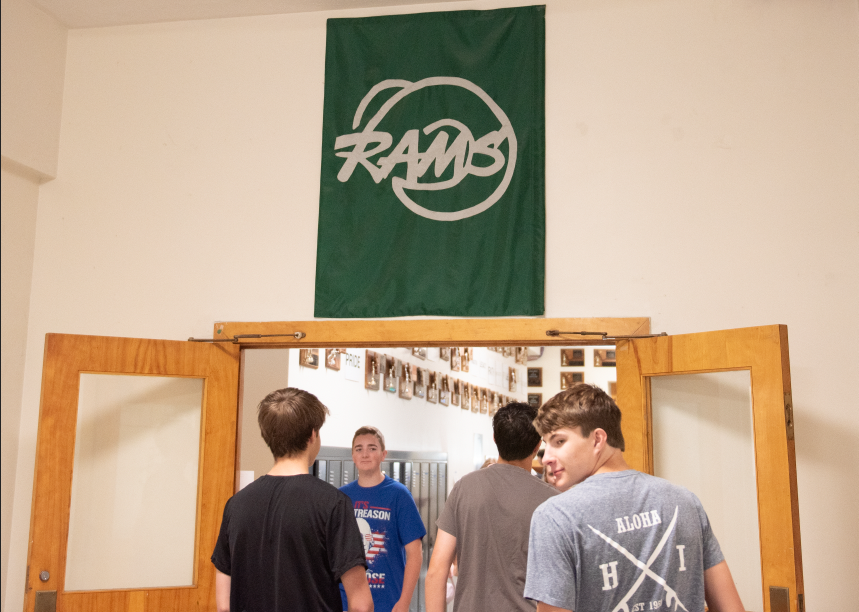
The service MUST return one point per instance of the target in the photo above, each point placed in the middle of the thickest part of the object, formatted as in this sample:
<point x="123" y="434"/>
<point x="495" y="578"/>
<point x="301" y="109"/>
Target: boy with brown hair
<point x="389" y="522"/>
<point x="288" y="539"/>
<point x="619" y="540"/>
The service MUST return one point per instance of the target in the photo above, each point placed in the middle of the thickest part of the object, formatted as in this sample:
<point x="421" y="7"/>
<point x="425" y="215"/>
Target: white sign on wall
<point x="352" y="364"/>
<point x="482" y="369"/>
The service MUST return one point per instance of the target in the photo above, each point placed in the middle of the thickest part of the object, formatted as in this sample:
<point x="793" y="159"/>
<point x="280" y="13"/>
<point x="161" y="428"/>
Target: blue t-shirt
<point x="388" y="520"/>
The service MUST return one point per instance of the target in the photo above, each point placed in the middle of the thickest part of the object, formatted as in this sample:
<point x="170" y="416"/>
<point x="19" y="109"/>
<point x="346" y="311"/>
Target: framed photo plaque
<point x="389" y="365"/>
<point x="309" y="358"/>
<point x="605" y="358"/>
<point x="494" y="403"/>
<point x="421" y="382"/>
<point x="432" y="388"/>
<point x="484" y="401"/>
<point x="521" y="355"/>
<point x="407" y="384"/>
<point x="568" y="379"/>
<point x="332" y="359"/>
<point x="572" y="357"/>
<point x="371" y="371"/>
<point x="455" y="359"/>
<point x="535" y="377"/>
<point x="513" y="380"/>
<point x="444" y="390"/>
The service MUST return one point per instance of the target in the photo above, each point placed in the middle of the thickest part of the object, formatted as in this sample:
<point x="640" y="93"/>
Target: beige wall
<point x="33" y="61"/>
<point x="18" y="200"/>
<point x="33" y="70"/>
<point x="710" y="147"/>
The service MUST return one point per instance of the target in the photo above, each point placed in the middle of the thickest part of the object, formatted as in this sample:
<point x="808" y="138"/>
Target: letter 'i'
<point x="682" y="560"/>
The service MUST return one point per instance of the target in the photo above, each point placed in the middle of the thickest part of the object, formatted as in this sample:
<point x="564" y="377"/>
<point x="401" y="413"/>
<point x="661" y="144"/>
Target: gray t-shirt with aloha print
<point x="621" y="541"/>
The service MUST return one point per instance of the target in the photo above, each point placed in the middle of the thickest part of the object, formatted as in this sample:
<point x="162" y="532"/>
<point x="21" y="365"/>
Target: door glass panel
<point x="134" y="490"/>
<point x="703" y="440"/>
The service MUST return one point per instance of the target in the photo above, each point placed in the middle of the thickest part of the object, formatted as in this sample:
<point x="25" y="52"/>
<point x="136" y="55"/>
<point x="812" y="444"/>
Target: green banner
<point x="432" y="196"/>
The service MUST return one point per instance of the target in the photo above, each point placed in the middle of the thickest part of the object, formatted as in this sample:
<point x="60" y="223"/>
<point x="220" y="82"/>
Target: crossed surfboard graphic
<point x="671" y="594"/>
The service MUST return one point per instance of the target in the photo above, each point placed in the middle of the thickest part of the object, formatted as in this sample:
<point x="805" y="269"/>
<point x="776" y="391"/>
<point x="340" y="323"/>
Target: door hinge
<point x="801" y="603"/>
<point x="788" y="414"/>
<point x="779" y="599"/>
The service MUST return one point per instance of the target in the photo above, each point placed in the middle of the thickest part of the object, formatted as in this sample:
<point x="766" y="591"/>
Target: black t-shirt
<point x="285" y="542"/>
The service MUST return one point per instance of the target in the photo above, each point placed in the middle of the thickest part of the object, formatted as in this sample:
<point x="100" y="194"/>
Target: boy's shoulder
<point x="388" y="486"/>
<point x="350" y="488"/>
<point x="509" y="475"/>
<point x="396" y="486"/>
<point x="305" y="487"/>
<point x="603" y="491"/>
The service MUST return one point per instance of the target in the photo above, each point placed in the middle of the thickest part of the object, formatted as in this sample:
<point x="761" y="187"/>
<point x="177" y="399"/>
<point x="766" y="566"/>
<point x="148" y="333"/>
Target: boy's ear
<point x="600" y="438"/>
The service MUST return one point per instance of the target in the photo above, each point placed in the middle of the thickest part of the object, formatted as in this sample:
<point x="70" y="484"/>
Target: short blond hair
<point x="369" y="429"/>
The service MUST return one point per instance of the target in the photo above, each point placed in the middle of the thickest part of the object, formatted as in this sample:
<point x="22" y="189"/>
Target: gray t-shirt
<point x="489" y="514"/>
<point x="621" y="541"/>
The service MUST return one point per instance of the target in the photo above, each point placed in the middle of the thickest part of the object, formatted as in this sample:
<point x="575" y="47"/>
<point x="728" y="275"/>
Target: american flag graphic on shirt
<point x="374" y="541"/>
<point x="377" y="546"/>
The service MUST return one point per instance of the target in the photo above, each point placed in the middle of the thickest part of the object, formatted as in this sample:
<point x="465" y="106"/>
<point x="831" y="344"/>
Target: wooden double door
<point x="72" y="363"/>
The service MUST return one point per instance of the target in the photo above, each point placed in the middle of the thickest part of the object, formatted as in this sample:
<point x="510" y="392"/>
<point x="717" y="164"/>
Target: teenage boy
<point x="390" y="525"/>
<point x="619" y="540"/>
<point x="288" y="539"/>
<point x="485" y="523"/>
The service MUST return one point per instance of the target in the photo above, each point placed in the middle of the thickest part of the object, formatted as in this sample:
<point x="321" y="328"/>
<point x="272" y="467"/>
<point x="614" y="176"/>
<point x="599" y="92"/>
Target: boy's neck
<point x="370" y="479"/>
<point x="614" y="462"/>
<point x="525" y="463"/>
<point x="292" y="466"/>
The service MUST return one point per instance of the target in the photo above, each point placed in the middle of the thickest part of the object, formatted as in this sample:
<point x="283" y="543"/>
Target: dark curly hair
<point x="515" y="435"/>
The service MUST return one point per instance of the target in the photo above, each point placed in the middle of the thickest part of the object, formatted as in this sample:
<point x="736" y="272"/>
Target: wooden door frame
<point x="360" y="333"/>
<point x="66" y="357"/>
<point x="370" y="333"/>
<point x="763" y="351"/>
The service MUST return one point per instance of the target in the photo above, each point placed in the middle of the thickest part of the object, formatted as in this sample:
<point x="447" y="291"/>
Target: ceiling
<point x="100" y="13"/>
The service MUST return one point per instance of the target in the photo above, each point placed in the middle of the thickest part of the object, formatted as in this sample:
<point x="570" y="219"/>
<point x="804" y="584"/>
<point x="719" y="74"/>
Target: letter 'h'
<point x="609" y="575"/>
